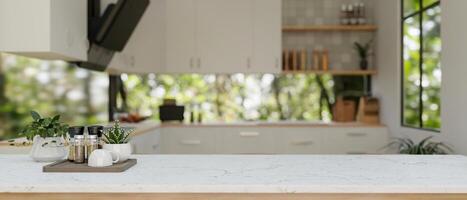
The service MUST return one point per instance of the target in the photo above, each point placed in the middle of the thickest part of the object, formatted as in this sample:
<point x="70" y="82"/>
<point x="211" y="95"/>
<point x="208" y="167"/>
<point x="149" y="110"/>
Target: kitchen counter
<point x="253" y="174"/>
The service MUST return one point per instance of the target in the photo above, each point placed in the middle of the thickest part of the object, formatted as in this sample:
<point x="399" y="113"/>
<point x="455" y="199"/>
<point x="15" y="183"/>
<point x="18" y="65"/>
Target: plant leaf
<point x="35" y="115"/>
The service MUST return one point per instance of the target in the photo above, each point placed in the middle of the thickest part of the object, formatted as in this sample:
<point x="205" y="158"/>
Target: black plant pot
<point x="363" y="64"/>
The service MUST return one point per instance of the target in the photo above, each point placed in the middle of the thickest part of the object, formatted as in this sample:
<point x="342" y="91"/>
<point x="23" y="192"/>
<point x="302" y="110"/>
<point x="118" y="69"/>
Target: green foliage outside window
<point x="421" y="64"/>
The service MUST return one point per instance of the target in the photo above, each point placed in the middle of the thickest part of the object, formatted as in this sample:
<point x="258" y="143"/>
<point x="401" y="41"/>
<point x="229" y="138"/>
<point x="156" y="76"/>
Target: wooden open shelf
<point x="318" y="28"/>
<point x="336" y="72"/>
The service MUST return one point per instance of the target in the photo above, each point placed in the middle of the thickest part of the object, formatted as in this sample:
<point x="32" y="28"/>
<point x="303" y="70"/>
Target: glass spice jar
<point x="92" y="144"/>
<point x="97" y="130"/>
<point x="72" y="131"/>
<point x="80" y="149"/>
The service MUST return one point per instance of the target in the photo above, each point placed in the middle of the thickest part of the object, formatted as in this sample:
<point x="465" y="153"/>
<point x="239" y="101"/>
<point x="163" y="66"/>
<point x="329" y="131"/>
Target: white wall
<point x="387" y="84"/>
<point x="454" y="69"/>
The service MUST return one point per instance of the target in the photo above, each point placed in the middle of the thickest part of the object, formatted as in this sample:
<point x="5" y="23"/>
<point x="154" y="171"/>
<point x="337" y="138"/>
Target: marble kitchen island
<point x="228" y="177"/>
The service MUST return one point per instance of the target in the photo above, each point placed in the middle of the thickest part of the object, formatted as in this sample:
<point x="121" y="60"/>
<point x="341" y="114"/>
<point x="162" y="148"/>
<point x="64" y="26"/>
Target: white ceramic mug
<point x="102" y="158"/>
<point x="122" y="150"/>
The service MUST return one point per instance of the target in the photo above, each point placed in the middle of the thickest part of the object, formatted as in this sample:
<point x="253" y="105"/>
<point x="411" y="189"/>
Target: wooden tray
<point x="70" y="167"/>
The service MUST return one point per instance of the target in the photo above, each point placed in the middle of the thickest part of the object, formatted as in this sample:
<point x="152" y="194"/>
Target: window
<point x="49" y="87"/>
<point x="234" y="97"/>
<point x="421" y="74"/>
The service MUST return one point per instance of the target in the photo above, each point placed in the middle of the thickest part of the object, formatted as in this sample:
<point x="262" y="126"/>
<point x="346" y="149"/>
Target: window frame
<point x="404" y="17"/>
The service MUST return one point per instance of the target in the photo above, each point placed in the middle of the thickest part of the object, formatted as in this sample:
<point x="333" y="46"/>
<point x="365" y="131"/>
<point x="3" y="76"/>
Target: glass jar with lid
<point x="97" y="130"/>
<point x="92" y="144"/>
<point x="80" y="149"/>
<point x="72" y="131"/>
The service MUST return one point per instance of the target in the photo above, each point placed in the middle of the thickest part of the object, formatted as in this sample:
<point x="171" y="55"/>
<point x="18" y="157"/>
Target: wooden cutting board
<point x="71" y="167"/>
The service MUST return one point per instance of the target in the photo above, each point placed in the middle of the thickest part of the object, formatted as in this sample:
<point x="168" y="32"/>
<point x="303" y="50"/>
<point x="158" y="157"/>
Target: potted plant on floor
<point x="116" y="141"/>
<point x="424" y="147"/>
<point x="47" y="135"/>
<point x="363" y="51"/>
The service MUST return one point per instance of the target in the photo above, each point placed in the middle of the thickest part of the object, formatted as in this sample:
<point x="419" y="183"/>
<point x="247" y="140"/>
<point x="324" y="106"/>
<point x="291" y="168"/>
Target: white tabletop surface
<point x="250" y="174"/>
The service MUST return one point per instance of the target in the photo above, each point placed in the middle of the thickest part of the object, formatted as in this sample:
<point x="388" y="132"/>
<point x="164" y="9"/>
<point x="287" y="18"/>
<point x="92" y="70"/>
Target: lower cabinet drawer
<point x="355" y="141"/>
<point x="302" y="141"/>
<point x="248" y="141"/>
<point x="188" y="141"/>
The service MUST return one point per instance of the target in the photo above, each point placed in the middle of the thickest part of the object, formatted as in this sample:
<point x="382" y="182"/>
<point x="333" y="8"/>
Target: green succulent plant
<point x="44" y="127"/>
<point x="424" y="147"/>
<point x="117" y="134"/>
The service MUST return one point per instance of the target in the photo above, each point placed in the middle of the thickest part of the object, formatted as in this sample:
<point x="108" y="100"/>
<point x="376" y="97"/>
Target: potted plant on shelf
<point x="116" y="141"/>
<point x="47" y="135"/>
<point x="363" y="51"/>
<point x="424" y="147"/>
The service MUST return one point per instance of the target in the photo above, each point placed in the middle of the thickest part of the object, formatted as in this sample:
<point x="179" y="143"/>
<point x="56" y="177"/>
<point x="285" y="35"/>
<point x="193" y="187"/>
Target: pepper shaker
<point x="72" y="132"/>
<point x="80" y="149"/>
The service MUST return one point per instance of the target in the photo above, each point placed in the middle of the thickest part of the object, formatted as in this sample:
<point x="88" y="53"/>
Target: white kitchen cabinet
<point x="267" y="36"/>
<point x="45" y="29"/>
<point x="189" y="141"/>
<point x="368" y="140"/>
<point x="248" y="141"/>
<point x="273" y="140"/>
<point x="145" y="51"/>
<point x="224" y="35"/>
<point x="180" y="52"/>
<point x="302" y="140"/>
<point x="147" y="143"/>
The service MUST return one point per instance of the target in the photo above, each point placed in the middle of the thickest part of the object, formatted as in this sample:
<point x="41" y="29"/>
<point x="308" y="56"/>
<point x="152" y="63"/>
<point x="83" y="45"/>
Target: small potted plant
<point x="47" y="135"/>
<point x="363" y="51"/>
<point x="424" y="147"/>
<point x="116" y="141"/>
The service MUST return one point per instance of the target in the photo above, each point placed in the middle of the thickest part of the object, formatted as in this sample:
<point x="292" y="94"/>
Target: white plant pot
<point x="122" y="150"/>
<point x="46" y="150"/>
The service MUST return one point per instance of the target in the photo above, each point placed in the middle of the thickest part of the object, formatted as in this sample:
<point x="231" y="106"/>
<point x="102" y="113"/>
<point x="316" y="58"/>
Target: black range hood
<point x="110" y="32"/>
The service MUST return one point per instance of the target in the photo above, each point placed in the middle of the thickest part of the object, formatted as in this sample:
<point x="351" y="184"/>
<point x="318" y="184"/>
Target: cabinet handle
<point x="248" y="62"/>
<point x="192" y="62"/>
<point x="249" y="134"/>
<point x="356" y="134"/>
<point x="303" y="143"/>
<point x="191" y="142"/>
<point x="198" y="63"/>
<point x="356" y="152"/>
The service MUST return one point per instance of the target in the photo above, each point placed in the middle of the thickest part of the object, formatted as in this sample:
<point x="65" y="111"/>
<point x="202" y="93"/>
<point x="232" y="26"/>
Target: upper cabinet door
<point x="145" y="51"/>
<point x="180" y="36"/>
<point x="224" y="35"/>
<point x="45" y="29"/>
<point x="267" y="36"/>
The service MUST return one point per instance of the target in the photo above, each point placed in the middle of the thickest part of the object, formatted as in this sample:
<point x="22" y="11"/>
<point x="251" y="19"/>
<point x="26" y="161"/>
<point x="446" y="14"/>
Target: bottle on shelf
<point x="303" y="60"/>
<point x="361" y="13"/>
<point x="285" y="58"/>
<point x="294" y="60"/>
<point x="316" y="60"/>
<point x="344" y="20"/>
<point x="325" y="60"/>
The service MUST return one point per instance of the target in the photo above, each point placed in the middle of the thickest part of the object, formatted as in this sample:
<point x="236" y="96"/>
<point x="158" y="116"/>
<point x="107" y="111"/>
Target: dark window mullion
<point x="420" y="117"/>
<point x="420" y="11"/>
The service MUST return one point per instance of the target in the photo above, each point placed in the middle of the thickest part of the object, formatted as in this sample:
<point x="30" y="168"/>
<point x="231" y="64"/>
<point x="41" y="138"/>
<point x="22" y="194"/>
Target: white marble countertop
<point x="250" y="174"/>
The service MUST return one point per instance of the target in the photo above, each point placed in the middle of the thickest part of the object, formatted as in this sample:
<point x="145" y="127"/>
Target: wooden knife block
<point x="344" y="110"/>
<point x="368" y="110"/>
